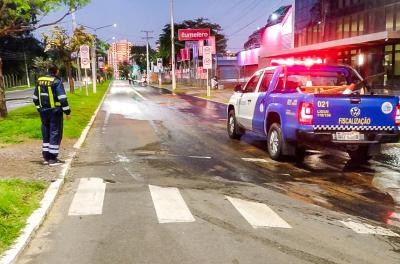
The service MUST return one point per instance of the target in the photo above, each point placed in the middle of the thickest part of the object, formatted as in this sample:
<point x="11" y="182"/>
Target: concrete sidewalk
<point x="219" y="96"/>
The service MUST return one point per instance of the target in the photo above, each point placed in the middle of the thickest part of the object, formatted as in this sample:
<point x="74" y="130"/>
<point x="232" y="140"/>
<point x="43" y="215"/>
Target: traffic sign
<point x="85" y="57"/>
<point x="159" y="62"/>
<point x="84" y="50"/>
<point x="85" y="63"/>
<point x="207" y="57"/>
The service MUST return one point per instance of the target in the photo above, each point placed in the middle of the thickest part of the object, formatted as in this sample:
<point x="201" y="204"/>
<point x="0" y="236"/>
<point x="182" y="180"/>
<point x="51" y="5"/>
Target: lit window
<point x="389" y="19"/>
<point x="361" y="25"/>
<point x="354" y="25"/>
<point x="339" y="29"/>
<point x="346" y="27"/>
<point x="397" y="17"/>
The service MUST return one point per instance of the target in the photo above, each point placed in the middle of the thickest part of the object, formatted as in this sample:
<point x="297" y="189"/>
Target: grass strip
<point x="18" y="200"/>
<point x="24" y="123"/>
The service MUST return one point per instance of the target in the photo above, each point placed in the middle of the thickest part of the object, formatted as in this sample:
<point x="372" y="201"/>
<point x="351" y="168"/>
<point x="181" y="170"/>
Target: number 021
<point x="323" y="104"/>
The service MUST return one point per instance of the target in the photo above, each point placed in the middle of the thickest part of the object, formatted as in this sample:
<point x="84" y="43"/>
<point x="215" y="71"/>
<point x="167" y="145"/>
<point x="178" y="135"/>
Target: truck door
<point x="262" y="101"/>
<point x="248" y="101"/>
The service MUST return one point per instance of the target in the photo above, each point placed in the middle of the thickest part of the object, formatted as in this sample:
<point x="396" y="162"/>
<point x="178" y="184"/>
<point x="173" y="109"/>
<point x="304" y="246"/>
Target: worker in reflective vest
<point x="51" y="101"/>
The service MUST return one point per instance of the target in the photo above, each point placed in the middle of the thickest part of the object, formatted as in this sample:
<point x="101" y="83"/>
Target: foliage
<point x="41" y="64"/>
<point x="25" y="122"/>
<point x="124" y="70"/>
<point x="18" y="200"/>
<point x="64" y="45"/>
<point x="15" y="49"/>
<point x="138" y="54"/>
<point x="164" y="40"/>
<point x="101" y="47"/>
<point x="22" y="15"/>
<point x="18" y="16"/>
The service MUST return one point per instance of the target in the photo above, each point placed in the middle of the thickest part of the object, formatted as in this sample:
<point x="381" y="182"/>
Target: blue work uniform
<point x="51" y="101"/>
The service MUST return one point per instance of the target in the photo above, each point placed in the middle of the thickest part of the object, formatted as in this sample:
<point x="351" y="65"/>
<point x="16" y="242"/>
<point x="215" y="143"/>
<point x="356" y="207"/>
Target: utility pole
<point x="27" y="72"/>
<point x="94" y="70"/>
<point x="147" y="32"/>
<point x="78" y="65"/>
<point x="173" y="46"/>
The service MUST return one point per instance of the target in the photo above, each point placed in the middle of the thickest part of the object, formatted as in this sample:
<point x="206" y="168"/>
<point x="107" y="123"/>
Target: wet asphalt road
<point x="18" y="99"/>
<point x="146" y="136"/>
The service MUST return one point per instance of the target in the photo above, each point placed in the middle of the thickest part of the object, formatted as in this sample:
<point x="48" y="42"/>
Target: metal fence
<point x="13" y="80"/>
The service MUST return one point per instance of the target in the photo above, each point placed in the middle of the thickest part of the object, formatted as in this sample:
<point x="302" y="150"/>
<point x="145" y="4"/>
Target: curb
<point x="38" y="216"/>
<point x="198" y="97"/>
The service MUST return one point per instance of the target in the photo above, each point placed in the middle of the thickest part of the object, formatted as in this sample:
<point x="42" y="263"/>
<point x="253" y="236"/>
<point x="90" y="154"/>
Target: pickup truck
<point x="302" y="105"/>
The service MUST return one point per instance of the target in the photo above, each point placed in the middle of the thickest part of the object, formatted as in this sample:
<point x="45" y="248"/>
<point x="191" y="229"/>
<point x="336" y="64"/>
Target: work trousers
<point x="52" y="130"/>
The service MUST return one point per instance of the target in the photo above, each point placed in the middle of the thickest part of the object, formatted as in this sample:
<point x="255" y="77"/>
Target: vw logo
<point x="355" y="111"/>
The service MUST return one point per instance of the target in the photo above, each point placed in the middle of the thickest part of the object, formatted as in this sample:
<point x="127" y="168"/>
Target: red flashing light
<point x="306" y="114"/>
<point x="398" y="115"/>
<point x="290" y="62"/>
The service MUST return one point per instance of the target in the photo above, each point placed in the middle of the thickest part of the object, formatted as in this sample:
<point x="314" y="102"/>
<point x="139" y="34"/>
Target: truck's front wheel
<point x="234" y="131"/>
<point x="361" y="154"/>
<point x="275" y="141"/>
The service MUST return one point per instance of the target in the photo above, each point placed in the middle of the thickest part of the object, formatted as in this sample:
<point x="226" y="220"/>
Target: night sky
<point x="238" y="18"/>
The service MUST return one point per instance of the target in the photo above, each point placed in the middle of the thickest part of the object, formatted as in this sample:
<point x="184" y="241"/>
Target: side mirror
<point x="238" y="88"/>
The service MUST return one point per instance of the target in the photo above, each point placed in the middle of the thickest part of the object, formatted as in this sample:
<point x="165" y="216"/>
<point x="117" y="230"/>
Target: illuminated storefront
<point x="361" y="33"/>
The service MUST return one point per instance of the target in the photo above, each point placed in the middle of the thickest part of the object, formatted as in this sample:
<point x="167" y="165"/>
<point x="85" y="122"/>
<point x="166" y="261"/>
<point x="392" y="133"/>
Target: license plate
<point x="349" y="136"/>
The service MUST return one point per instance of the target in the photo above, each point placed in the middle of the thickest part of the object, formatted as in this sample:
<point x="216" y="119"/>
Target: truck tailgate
<point x="349" y="113"/>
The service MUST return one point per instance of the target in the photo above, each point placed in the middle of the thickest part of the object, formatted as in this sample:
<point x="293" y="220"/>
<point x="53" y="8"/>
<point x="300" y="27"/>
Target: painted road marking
<point x="200" y="157"/>
<point x="361" y="228"/>
<point x="257" y="214"/>
<point x="169" y="205"/>
<point x="255" y="160"/>
<point x="89" y="197"/>
<point x="138" y="94"/>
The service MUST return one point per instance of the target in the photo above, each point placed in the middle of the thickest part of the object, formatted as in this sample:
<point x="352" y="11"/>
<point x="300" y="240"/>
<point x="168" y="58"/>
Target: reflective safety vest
<point x="45" y="89"/>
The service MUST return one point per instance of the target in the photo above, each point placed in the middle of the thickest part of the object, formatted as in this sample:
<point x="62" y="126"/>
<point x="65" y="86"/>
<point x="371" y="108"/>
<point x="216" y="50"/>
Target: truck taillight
<point x="398" y="115"/>
<point x="306" y="114"/>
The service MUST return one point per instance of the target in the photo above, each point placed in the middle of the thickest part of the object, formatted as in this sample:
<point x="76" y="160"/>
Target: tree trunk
<point x="3" y="106"/>
<point x="68" y="67"/>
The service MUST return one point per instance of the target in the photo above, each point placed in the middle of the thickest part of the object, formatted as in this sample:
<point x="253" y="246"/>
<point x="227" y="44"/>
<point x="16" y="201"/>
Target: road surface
<point x="159" y="181"/>
<point x="18" y="99"/>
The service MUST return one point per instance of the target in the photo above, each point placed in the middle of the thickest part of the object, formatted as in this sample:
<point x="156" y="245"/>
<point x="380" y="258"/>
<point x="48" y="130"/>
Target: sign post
<point x="207" y="64"/>
<point x="160" y="67"/>
<point x="85" y="63"/>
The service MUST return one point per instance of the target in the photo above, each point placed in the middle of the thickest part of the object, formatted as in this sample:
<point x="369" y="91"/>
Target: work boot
<point x="55" y="162"/>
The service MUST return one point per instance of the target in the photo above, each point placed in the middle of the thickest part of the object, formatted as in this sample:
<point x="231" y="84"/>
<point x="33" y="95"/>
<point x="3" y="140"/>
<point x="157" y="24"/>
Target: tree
<point x="19" y="16"/>
<point x="139" y="55"/>
<point x="64" y="45"/>
<point x="164" y="40"/>
<point x="41" y="64"/>
<point x="124" y="70"/>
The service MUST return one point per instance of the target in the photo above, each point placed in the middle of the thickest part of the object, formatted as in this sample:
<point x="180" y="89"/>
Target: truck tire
<point x="361" y="155"/>
<point x="275" y="141"/>
<point x="234" y="131"/>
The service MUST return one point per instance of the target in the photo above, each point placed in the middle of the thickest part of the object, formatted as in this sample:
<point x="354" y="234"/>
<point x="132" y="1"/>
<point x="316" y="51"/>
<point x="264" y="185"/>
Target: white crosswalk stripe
<point x="362" y="228"/>
<point x="257" y="214"/>
<point x="169" y="205"/>
<point x="89" y="197"/>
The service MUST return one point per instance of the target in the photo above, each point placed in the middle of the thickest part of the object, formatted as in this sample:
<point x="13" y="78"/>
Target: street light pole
<point x="173" y="46"/>
<point x="94" y="70"/>
<point x="147" y="51"/>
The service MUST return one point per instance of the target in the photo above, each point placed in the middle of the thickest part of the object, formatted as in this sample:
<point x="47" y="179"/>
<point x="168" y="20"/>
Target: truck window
<point x="335" y="80"/>
<point x="265" y="82"/>
<point x="252" y="84"/>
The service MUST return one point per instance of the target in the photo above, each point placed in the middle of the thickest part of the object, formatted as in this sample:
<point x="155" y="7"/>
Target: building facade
<point x="119" y="53"/>
<point x="362" y="33"/>
<point x="275" y="36"/>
